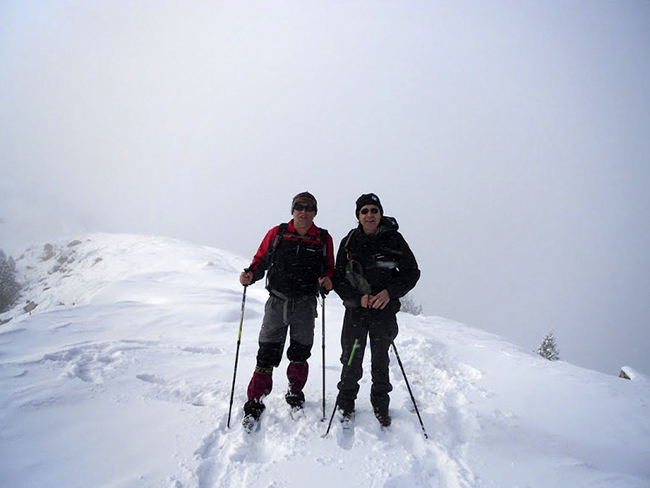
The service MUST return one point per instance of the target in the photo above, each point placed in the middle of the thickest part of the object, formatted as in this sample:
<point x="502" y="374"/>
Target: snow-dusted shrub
<point x="548" y="348"/>
<point x="9" y="287"/>
<point x="409" y="305"/>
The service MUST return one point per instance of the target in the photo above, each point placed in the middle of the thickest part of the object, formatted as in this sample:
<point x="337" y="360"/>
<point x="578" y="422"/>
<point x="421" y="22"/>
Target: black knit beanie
<point x="306" y="198"/>
<point x="368" y="199"/>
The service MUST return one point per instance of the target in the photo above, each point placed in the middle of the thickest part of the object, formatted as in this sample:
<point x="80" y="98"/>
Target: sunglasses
<point x="373" y="210"/>
<point x="300" y="207"/>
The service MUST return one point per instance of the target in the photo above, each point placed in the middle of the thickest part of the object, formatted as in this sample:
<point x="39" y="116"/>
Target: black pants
<point x="380" y="326"/>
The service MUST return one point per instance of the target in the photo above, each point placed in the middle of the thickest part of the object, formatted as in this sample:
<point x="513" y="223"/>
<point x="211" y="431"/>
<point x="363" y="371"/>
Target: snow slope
<point x="121" y="377"/>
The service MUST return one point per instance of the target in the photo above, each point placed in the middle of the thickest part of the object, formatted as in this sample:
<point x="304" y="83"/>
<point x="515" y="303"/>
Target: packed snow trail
<point x="291" y="452"/>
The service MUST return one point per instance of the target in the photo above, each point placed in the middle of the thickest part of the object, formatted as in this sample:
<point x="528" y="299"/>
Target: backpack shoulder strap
<point x="350" y="242"/>
<point x="324" y="239"/>
<point x="324" y="235"/>
<point x="282" y="229"/>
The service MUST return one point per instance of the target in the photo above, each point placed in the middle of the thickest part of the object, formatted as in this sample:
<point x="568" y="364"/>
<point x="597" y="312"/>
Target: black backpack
<point x="282" y="230"/>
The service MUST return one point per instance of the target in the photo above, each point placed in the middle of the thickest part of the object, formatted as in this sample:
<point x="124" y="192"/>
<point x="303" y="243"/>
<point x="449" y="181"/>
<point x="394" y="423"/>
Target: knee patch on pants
<point x="269" y="355"/>
<point x="298" y="353"/>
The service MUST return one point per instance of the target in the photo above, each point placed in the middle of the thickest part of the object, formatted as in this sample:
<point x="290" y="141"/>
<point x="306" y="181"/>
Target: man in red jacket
<point x="299" y="258"/>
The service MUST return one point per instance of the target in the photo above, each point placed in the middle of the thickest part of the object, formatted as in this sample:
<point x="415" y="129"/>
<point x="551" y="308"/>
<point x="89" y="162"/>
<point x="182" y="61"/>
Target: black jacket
<point x="386" y="261"/>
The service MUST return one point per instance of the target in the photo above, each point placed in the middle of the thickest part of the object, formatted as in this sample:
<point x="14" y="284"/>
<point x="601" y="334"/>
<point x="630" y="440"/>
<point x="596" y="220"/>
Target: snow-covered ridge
<point x="84" y="270"/>
<point x="121" y="377"/>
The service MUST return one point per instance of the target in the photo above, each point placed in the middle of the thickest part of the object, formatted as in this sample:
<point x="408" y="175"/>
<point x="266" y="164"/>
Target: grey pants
<point x="297" y="317"/>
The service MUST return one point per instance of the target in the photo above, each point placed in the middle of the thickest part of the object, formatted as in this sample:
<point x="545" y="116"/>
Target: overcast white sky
<point x="510" y="139"/>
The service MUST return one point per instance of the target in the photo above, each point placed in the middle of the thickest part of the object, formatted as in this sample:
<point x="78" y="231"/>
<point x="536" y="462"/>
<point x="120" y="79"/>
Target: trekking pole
<point x="323" y="342"/>
<point x="346" y="366"/>
<point x="399" y="361"/>
<point x="234" y="374"/>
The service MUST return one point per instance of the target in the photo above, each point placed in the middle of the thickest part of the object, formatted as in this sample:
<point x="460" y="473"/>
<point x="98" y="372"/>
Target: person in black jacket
<point x="374" y="269"/>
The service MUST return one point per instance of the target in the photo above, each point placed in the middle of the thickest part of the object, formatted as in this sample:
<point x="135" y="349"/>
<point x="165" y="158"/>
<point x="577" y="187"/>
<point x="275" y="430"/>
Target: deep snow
<point x="121" y="377"/>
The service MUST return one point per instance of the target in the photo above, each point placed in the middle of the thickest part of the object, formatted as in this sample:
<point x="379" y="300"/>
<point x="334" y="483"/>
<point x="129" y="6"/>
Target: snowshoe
<point x="250" y="424"/>
<point x="295" y="400"/>
<point x="347" y="418"/>
<point x="383" y="417"/>
<point x="252" y="413"/>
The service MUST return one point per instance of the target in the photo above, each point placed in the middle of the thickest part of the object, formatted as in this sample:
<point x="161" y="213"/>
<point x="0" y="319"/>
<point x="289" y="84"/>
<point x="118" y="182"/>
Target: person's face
<point x="303" y="215"/>
<point x="369" y="217"/>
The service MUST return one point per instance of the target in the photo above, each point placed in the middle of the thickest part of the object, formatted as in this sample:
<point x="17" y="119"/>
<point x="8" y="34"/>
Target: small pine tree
<point x="409" y="305"/>
<point x="548" y="348"/>
<point x="9" y="287"/>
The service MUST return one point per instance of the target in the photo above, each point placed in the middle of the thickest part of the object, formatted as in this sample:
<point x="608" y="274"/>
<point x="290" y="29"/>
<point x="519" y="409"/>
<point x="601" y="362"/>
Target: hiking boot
<point x="347" y="416"/>
<point x="383" y="417"/>
<point x="295" y="400"/>
<point x="252" y="413"/>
